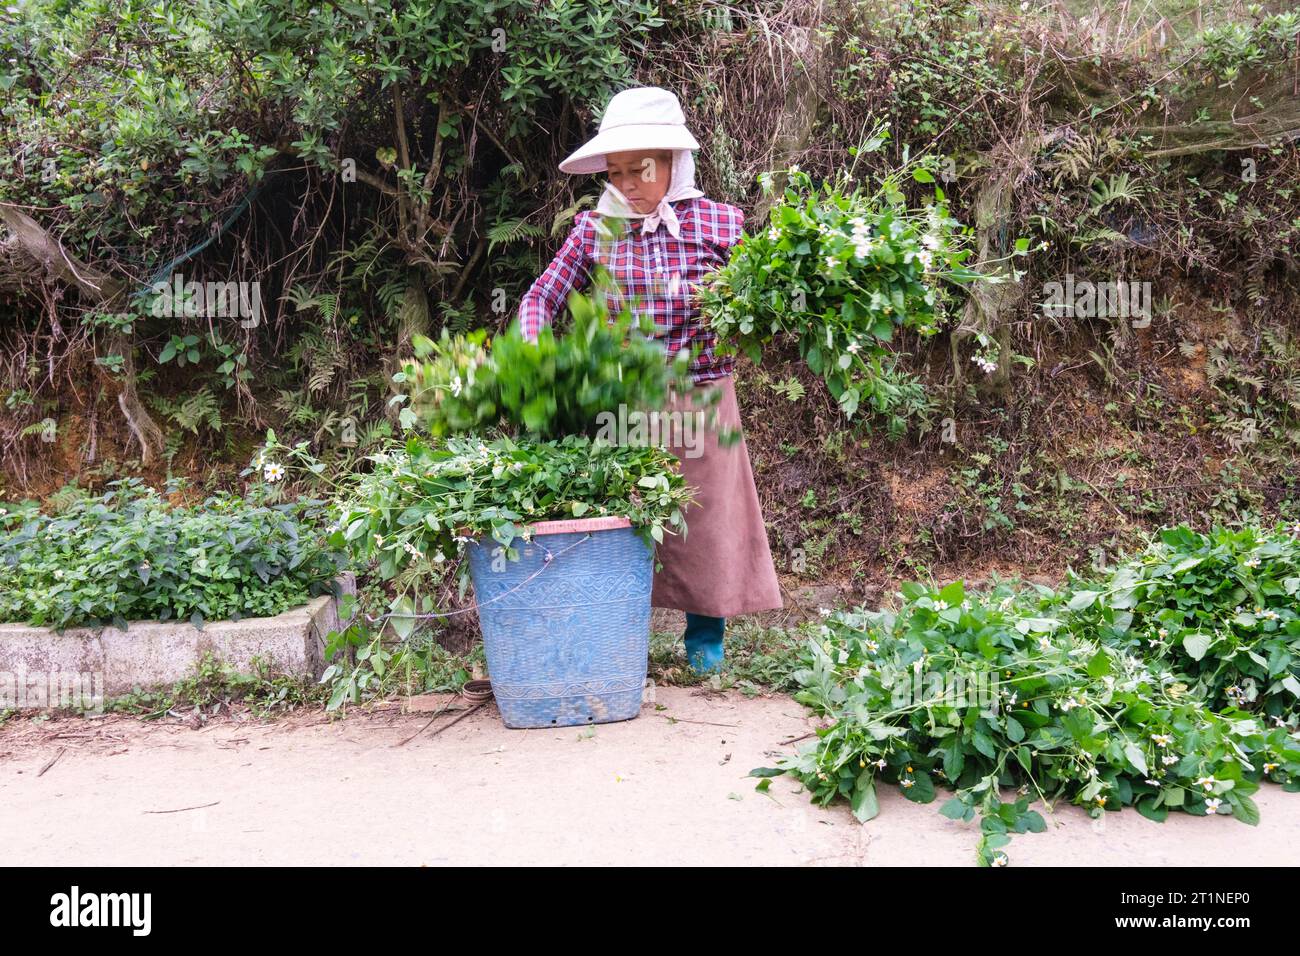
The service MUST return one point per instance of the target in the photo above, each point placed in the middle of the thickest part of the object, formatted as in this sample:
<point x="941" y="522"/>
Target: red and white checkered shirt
<point x="659" y="273"/>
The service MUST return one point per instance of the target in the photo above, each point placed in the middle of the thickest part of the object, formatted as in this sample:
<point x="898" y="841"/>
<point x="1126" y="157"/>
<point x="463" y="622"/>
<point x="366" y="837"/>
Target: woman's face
<point x="641" y="175"/>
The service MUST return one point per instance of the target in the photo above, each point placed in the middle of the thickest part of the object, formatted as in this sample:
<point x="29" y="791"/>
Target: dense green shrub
<point x="131" y="555"/>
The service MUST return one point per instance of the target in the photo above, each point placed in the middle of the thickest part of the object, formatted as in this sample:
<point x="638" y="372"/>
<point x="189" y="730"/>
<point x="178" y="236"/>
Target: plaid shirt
<point x="656" y="269"/>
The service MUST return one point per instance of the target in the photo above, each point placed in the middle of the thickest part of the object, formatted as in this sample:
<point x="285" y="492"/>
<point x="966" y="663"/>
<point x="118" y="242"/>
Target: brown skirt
<point x="722" y="566"/>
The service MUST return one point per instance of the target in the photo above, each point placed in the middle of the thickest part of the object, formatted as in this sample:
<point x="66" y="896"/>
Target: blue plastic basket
<point x="567" y="638"/>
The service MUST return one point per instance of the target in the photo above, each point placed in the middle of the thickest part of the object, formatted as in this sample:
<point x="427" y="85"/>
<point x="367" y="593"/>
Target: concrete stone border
<point x="154" y="654"/>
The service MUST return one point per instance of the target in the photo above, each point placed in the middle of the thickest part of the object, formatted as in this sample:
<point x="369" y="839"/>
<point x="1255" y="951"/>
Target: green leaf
<point x="1082" y="599"/>
<point x="1197" y="644"/>
<point x="1099" y="664"/>
<point x="1147" y="807"/>
<point x="954" y="809"/>
<point x="1134" y="755"/>
<point x="921" y="790"/>
<point x="1015" y="732"/>
<point x="953" y="594"/>
<point x="1244" y="808"/>
<point x="864" y="804"/>
<point x="403" y="620"/>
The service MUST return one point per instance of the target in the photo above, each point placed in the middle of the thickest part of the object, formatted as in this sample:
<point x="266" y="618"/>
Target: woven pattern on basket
<point x="571" y="645"/>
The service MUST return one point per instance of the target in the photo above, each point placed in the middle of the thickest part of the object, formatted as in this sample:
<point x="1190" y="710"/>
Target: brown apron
<point x="722" y="566"/>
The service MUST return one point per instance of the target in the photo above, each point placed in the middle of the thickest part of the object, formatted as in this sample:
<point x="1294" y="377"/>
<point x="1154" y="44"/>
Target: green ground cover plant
<point x="130" y="554"/>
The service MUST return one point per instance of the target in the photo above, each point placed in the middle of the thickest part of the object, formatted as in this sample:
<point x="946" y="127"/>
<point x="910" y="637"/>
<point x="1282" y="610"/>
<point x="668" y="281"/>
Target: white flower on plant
<point x="1251" y="562"/>
<point x="1162" y="740"/>
<point x="824" y="611"/>
<point x="58" y="574"/>
<point x="379" y="539"/>
<point x="852" y="348"/>
<point x="1207" y="782"/>
<point x="832" y="262"/>
<point x="1154" y="783"/>
<point x="1212" y="805"/>
<point x="273" y="472"/>
<point x="455" y="385"/>
<point x="144" y="565"/>
<point x="999" y="859"/>
<point x="941" y="605"/>
<point x="907" y="784"/>
<point x="1169" y="759"/>
<point x="794" y="168"/>
<point x="880" y="764"/>
<point x="926" y="258"/>
<point x="1270" y="767"/>
<point x="1044" y="643"/>
<point x="930" y="241"/>
<point x="1162" y="633"/>
<point x="872" y="647"/>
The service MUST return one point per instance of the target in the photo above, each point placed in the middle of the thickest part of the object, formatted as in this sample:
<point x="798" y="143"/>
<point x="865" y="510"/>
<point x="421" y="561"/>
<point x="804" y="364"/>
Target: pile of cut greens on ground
<point x="1170" y="683"/>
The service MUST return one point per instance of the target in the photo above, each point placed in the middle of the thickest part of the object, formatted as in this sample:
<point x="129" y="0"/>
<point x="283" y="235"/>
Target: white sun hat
<point x="644" y="117"/>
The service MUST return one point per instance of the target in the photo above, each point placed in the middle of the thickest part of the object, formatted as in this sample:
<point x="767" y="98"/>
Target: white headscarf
<point x="680" y="186"/>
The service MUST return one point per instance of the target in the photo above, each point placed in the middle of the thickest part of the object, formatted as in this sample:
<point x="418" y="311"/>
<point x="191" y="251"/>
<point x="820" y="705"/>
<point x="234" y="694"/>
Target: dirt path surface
<point x="309" y="790"/>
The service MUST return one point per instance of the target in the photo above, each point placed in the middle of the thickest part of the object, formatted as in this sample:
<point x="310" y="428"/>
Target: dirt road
<point x="655" y="790"/>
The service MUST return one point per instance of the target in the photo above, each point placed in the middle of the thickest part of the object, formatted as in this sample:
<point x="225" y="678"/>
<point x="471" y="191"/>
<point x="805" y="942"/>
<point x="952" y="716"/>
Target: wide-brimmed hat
<point x="645" y="117"/>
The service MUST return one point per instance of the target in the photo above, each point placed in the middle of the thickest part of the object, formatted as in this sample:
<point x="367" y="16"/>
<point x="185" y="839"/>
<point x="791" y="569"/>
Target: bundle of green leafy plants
<point x="130" y="554"/>
<point x="1017" y="690"/>
<point x="555" y="386"/>
<point x="840" y="272"/>
<point x="513" y="438"/>
<point x="421" y="503"/>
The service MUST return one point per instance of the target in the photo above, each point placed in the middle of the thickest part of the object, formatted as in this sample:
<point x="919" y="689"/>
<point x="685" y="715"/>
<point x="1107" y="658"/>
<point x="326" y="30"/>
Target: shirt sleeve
<point x="568" y="271"/>
<point x="733" y="226"/>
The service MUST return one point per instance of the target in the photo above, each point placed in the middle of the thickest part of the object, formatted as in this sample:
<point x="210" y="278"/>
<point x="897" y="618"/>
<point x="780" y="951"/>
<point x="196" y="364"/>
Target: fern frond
<point x="565" y="216"/>
<point x="511" y="230"/>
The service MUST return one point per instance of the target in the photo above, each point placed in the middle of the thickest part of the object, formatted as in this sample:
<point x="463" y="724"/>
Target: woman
<point x="670" y="236"/>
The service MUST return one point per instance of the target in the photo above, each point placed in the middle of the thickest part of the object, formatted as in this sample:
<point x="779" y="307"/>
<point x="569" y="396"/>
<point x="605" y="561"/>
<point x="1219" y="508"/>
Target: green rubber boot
<point x="704" y="643"/>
